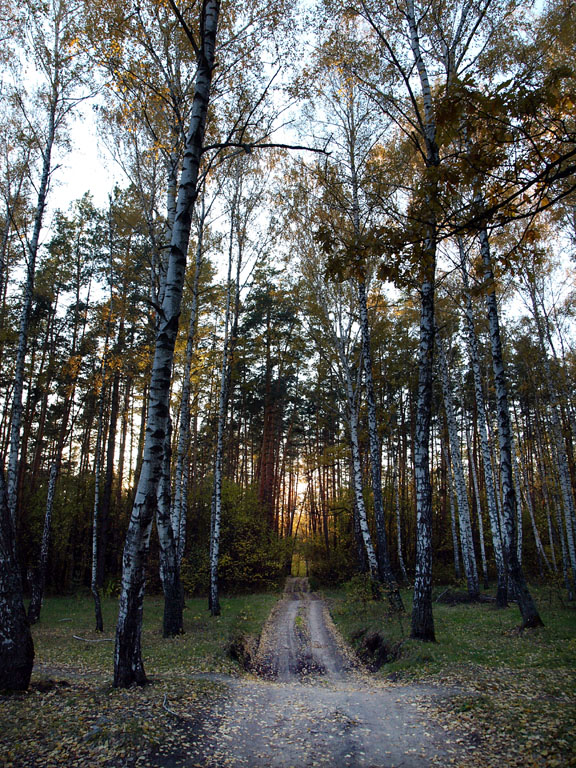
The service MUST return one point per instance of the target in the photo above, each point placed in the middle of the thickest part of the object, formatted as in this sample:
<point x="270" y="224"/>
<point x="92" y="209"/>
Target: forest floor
<point x="484" y="695"/>
<point x="312" y="705"/>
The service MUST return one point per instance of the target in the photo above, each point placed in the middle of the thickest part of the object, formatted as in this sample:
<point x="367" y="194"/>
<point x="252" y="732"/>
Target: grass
<point x="72" y="716"/>
<point x="514" y="692"/>
<point x="203" y="647"/>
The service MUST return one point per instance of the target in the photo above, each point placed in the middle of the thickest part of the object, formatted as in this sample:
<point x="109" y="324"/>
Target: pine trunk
<point x="16" y="420"/>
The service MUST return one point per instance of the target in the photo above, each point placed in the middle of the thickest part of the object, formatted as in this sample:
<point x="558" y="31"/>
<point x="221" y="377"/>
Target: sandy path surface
<point x="311" y="708"/>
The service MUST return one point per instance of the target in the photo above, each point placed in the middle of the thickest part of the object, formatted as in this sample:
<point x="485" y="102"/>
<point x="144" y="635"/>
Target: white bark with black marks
<point x="216" y="508"/>
<point x="225" y="374"/>
<point x="96" y="553"/>
<point x="559" y="444"/>
<point x="468" y="555"/>
<point x="180" y="500"/>
<point x="128" y="664"/>
<point x="530" y="615"/>
<point x="422" y="618"/>
<point x="452" y="505"/>
<point x="422" y="627"/>
<point x="491" y="499"/>
<point x="16" y="419"/>
<point x="476" y="485"/>
<point x="173" y="622"/>
<point x="396" y="490"/>
<point x="383" y="555"/>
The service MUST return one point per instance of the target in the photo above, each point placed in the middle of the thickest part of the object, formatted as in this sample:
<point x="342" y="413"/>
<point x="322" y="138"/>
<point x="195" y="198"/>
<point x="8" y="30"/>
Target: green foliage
<point x="252" y="557"/>
<point x="332" y="566"/>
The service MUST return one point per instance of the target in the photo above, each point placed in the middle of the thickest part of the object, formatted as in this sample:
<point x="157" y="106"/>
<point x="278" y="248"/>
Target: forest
<point x="322" y="324"/>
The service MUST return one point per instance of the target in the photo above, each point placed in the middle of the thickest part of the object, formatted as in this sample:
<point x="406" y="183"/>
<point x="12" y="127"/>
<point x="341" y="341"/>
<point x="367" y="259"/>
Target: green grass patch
<point x="515" y="692"/>
<point x="72" y="716"/>
<point x="202" y="647"/>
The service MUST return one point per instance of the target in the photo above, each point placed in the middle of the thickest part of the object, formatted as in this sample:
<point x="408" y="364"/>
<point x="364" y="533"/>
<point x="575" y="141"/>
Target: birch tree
<point x="330" y="306"/>
<point x="354" y="135"/>
<point x="180" y="497"/>
<point x="559" y="441"/>
<point x="128" y="664"/>
<point x="52" y="33"/>
<point x="232" y="289"/>
<point x="530" y="615"/>
<point x="465" y="527"/>
<point x="493" y="514"/>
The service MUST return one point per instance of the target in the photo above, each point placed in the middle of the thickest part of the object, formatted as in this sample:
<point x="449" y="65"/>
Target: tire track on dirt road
<point x="310" y="708"/>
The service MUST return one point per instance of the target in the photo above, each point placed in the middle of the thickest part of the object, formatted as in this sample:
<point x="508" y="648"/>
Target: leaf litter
<point x="329" y="713"/>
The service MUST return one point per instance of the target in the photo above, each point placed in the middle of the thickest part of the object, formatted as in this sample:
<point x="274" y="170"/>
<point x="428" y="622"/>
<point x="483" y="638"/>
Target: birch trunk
<point x="545" y="480"/>
<point x="96" y="553"/>
<point x="422" y="618"/>
<point x="530" y="615"/>
<point x="493" y="513"/>
<point x="383" y="555"/>
<point x="452" y="503"/>
<point x="128" y="664"/>
<point x="216" y="509"/>
<point x="478" y="509"/>
<point x="352" y="411"/>
<point x="396" y="491"/>
<point x="518" y="495"/>
<point x="16" y="646"/>
<point x="351" y="389"/>
<point x="39" y="583"/>
<point x="559" y="445"/>
<point x="362" y="560"/>
<point x="180" y="504"/>
<point x="173" y="623"/>
<point x="468" y="556"/>
<point x="16" y="420"/>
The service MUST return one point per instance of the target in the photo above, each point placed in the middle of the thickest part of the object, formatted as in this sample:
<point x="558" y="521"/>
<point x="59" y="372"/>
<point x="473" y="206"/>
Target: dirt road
<point x="311" y="708"/>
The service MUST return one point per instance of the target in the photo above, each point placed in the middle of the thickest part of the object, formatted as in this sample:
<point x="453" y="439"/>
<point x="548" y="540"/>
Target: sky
<point x="86" y="168"/>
